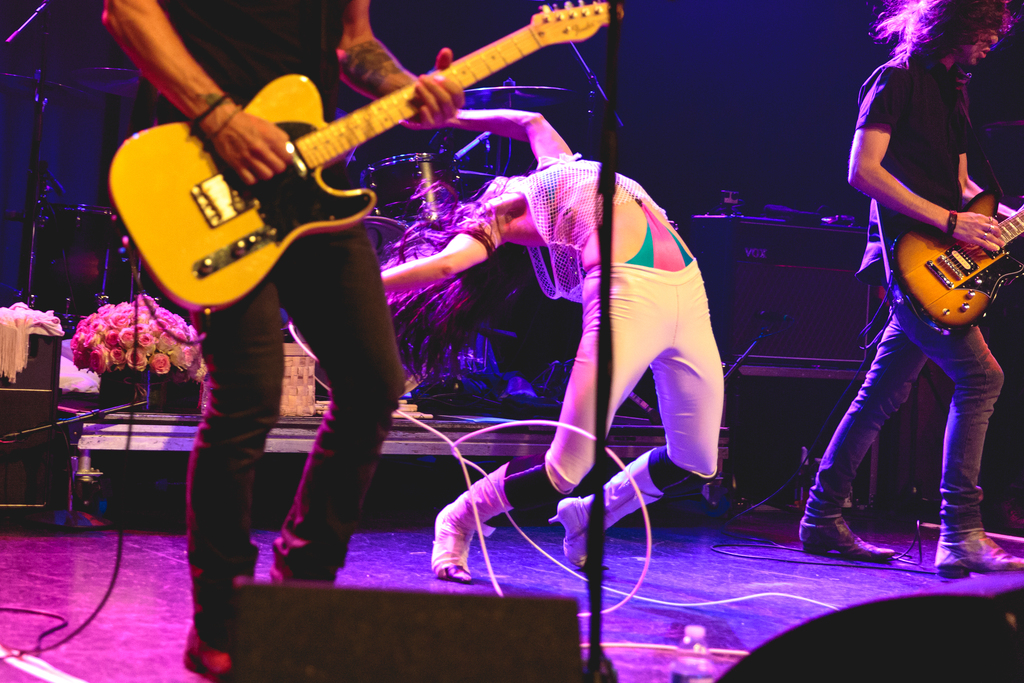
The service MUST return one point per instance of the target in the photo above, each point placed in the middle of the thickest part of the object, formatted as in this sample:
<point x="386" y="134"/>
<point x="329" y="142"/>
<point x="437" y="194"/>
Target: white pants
<point x="658" y="319"/>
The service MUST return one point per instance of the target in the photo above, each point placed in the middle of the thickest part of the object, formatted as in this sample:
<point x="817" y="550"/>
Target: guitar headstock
<point x="569" y="24"/>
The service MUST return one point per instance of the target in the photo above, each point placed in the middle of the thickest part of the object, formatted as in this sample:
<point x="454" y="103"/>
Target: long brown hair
<point x="932" y="29"/>
<point x="436" y="323"/>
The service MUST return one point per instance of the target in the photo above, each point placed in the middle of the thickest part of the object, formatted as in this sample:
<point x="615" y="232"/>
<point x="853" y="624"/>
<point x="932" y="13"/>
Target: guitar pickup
<point x="238" y="249"/>
<point x="965" y="262"/>
<point x="938" y="273"/>
<point x="219" y="202"/>
<point x="953" y="267"/>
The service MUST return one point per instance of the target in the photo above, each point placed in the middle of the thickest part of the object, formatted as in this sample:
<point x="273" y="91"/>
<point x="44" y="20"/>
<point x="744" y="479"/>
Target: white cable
<point x="479" y="526"/>
<point x="300" y="341"/>
<point x="728" y="600"/>
<point x="643" y="507"/>
<point x="669" y="648"/>
<point x="472" y="502"/>
<point x="37" y="667"/>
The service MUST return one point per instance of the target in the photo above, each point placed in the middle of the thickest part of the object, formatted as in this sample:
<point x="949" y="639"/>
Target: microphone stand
<point x="598" y="668"/>
<point x="592" y="98"/>
<point x="33" y="193"/>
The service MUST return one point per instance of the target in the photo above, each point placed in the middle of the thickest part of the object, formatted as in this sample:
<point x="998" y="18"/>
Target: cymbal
<point x="1004" y="125"/>
<point x="123" y="82"/>
<point x="516" y="96"/>
<point x="27" y="85"/>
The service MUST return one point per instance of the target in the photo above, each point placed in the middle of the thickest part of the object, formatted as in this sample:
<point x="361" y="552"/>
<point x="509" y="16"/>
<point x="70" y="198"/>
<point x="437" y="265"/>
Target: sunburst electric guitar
<point x="950" y="281"/>
<point x="207" y="239"/>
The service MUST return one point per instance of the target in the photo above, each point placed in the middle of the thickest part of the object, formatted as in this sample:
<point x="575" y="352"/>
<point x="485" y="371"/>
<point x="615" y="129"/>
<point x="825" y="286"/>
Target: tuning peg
<point x="546" y="9"/>
<point x="568" y="5"/>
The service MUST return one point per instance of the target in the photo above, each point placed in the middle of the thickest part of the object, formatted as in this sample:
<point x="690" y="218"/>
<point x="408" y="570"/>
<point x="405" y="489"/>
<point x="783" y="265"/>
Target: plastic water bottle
<point x="692" y="663"/>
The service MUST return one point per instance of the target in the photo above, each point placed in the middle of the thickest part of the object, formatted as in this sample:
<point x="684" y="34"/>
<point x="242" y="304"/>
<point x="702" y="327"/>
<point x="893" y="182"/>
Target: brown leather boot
<point x="822" y="536"/>
<point x="962" y="552"/>
<point x="210" y="663"/>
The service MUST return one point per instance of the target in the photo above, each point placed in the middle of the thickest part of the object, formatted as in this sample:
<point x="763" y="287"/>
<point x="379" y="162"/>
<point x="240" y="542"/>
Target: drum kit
<point x="415" y="187"/>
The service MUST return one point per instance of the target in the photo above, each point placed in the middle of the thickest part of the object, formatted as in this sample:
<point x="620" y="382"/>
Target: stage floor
<point x="139" y="636"/>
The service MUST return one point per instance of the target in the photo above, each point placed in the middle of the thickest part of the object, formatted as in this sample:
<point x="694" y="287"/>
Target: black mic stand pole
<point x="599" y="669"/>
<point x="33" y="193"/>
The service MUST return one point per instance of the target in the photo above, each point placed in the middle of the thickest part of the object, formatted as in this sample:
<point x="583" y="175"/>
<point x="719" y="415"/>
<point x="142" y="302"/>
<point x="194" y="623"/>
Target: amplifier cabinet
<point x="29" y="401"/>
<point x="755" y="265"/>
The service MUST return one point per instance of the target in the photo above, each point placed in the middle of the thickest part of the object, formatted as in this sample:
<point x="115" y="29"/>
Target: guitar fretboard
<point x="1012" y="227"/>
<point x="329" y="144"/>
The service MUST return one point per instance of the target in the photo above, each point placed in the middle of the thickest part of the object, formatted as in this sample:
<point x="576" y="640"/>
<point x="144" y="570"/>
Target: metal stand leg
<point x="84" y="480"/>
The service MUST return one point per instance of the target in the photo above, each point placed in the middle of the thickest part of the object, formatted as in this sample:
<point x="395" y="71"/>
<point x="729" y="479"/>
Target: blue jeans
<point x="905" y="346"/>
<point x="331" y="287"/>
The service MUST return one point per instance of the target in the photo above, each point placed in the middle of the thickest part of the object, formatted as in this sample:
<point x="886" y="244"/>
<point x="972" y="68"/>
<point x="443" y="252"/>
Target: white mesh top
<point x="566" y="208"/>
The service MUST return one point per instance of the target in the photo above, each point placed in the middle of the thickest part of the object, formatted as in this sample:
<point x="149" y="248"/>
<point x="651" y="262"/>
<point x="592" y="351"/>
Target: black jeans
<point x="330" y="286"/>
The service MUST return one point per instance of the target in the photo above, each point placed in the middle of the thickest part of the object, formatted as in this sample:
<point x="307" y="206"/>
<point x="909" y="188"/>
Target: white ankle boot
<point x="455" y="526"/>
<point x="620" y="500"/>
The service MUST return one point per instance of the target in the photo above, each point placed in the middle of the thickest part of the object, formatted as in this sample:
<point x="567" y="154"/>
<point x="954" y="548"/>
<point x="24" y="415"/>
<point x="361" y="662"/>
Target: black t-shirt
<point x="925" y="106"/>
<point x="245" y="44"/>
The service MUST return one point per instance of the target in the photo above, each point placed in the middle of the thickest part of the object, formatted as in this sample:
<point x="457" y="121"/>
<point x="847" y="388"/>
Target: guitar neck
<point x="329" y="144"/>
<point x="1012" y="227"/>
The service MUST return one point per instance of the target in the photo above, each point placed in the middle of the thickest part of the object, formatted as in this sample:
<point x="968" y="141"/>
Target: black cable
<point x="120" y="534"/>
<point x="137" y="279"/>
<point x="39" y="639"/>
<point x="807" y="453"/>
<point x="718" y="549"/>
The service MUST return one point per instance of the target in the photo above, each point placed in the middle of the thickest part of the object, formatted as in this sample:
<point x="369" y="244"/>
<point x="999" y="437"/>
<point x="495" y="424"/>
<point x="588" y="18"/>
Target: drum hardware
<point x="411" y="187"/>
<point x="121" y="82"/>
<point x="35" y="201"/>
<point x="383" y="232"/>
<point x="26" y="85"/>
<point x="80" y="258"/>
<point x="515" y="96"/>
<point x="595" y="96"/>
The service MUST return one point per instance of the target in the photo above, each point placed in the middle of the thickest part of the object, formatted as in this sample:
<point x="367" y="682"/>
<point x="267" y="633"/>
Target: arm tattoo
<point x="369" y="64"/>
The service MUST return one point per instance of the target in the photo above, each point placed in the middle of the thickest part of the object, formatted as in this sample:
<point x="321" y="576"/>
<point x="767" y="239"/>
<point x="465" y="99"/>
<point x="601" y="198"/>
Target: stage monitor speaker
<point x="967" y="630"/>
<point x="752" y="265"/>
<point x="315" y="632"/>
<point x="29" y="401"/>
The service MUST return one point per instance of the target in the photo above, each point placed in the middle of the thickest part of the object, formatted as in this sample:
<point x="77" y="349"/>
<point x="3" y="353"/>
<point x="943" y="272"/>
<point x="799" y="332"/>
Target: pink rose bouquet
<point x="112" y="339"/>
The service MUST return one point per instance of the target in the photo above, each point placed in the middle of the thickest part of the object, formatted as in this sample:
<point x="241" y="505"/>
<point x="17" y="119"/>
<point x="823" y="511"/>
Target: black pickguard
<point x="290" y="200"/>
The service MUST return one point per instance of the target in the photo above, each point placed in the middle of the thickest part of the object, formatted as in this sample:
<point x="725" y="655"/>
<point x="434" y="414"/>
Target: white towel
<point x="16" y="324"/>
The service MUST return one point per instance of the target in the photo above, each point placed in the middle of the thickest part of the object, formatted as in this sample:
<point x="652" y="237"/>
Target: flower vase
<point x="120" y="387"/>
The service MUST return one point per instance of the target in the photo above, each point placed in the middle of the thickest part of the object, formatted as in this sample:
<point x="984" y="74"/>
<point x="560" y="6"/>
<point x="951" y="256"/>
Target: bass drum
<point x="383" y="232"/>
<point x="412" y="187"/>
<point x="79" y="257"/>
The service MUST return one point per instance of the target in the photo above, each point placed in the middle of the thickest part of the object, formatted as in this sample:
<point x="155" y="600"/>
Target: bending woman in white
<point x="659" y="318"/>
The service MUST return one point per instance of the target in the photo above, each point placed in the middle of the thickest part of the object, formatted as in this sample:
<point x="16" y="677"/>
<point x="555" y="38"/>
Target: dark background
<point x="751" y="96"/>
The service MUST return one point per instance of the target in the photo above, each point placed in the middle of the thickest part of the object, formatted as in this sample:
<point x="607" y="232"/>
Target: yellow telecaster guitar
<point x="951" y="281"/>
<point x="207" y="239"/>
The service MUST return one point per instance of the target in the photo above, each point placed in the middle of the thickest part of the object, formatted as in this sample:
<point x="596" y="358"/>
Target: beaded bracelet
<point x="195" y="130"/>
<point x="951" y="223"/>
<point x="225" y="124"/>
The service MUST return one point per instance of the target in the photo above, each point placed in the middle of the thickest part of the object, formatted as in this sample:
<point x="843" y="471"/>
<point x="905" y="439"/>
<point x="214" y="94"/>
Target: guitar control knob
<point x="978" y="281"/>
<point x="971" y="294"/>
<point x="965" y="307"/>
